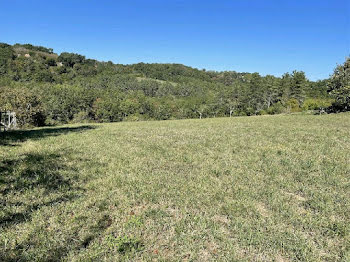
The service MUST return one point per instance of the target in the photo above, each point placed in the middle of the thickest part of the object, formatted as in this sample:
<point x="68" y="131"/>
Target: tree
<point x="293" y="105"/>
<point x="232" y="103"/>
<point x="129" y="106"/>
<point x="6" y="54"/>
<point x="299" y="86"/>
<point x="85" y="89"/>
<point x="107" y="109"/>
<point x="256" y="100"/>
<point x="272" y="93"/>
<point x="70" y="59"/>
<point x="201" y="109"/>
<point x="51" y="62"/>
<point x="285" y="86"/>
<point x="44" y="76"/>
<point x="25" y="103"/>
<point x="339" y="86"/>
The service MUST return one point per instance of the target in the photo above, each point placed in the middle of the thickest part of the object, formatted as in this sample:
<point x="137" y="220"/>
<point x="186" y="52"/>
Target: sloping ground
<point x="274" y="188"/>
<point x="22" y="51"/>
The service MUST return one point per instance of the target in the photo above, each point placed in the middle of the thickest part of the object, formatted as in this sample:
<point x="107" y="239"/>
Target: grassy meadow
<point x="268" y="188"/>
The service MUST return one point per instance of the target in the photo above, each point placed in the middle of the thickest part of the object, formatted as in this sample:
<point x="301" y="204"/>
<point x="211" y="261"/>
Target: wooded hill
<point x="46" y="88"/>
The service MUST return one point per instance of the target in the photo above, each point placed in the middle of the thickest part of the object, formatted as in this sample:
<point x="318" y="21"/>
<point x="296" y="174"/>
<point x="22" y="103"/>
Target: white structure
<point x="8" y="120"/>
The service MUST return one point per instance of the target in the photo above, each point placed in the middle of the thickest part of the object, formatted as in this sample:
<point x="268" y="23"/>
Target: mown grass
<point x="274" y="188"/>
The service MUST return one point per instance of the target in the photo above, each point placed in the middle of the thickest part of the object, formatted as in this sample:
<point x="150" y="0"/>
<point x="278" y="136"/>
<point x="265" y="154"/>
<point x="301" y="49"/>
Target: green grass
<point x="270" y="188"/>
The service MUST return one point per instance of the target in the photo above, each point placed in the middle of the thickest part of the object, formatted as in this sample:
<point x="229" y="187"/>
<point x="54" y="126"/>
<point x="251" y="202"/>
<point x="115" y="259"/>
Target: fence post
<point x="14" y="120"/>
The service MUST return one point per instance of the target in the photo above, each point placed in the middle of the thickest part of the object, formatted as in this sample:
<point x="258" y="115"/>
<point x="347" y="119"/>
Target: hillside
<point x="271" y="188"/>
<point x="68" y="87"/>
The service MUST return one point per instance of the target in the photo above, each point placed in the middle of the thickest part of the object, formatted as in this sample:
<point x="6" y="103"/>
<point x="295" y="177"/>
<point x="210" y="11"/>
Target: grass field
<point x="269" y="188"/>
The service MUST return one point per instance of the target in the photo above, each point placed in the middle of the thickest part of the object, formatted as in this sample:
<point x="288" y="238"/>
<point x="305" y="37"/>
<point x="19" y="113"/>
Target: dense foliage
<point x="70" y="88"/>
<point x="339" y="87"/>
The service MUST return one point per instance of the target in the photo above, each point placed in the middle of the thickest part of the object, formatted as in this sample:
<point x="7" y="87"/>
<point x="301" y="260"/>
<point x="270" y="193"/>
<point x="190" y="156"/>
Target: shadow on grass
<point x="35" y="182"/>
<point x="32" y="181"/>
<point x="39" y="184"/>
<point x="10" y="138"/>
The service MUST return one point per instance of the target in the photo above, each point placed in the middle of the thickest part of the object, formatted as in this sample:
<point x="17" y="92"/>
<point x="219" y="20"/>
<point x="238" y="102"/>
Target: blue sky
<point x="269" y="37"/>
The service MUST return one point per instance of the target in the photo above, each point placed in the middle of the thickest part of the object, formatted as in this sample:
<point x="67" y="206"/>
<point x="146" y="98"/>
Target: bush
<point x="51" y="62"/>
<point x="25" y="103"/>
<point x="81" y="117"/>
<point x="70" y="59"/>
<point x="262" y="112"/>
<point x="133" y="118"/>
<point x="107" y="109"/>
<point x="44" y="76"/>
<point x="316" y="104"/>
<point x="293" y="105"/>
<point x="250" y="111"/>
<point x="277" y="108"/>
<point x="242" y="113"/>
<point x="38" y="119"/>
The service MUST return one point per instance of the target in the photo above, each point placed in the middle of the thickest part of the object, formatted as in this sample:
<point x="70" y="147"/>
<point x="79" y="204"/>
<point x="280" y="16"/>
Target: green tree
<point x="271" y="91"/>
<point x="256" y="100"/>
<point x="299" y="86"/>
<point x="70" y="59"/>
<point x="44" y="76"/>
<point x="285" y="86"/>
<point x="6" y="54"/>
<point x="26" y="104"/>
<point x="339" y="86"/>
<point x="51" y="62"/>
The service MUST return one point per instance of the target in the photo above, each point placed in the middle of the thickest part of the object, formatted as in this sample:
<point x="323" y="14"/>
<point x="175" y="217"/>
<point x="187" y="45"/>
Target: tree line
<point x="44" y="88"/>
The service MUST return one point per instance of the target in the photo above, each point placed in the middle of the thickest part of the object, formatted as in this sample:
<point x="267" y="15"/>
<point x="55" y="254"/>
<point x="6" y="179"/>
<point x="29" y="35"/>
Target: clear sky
<point x="265" y="36"/>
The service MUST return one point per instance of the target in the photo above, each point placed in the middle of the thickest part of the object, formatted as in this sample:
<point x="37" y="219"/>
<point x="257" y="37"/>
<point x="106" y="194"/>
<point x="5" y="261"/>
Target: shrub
<point x="250" y="111"/>
<point x="316" y="104"/>
<point x="51" y="62"/>
<point x="262" y="112"/>
<point x="293" y="105"/>
<point x="133" y="118"/>
<point x="25" y="103"/>
<point x="44" y="76"/>
<point x="277" y="108"/>
<point x="70" y="59"/>
<point x="81" y="117"/>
